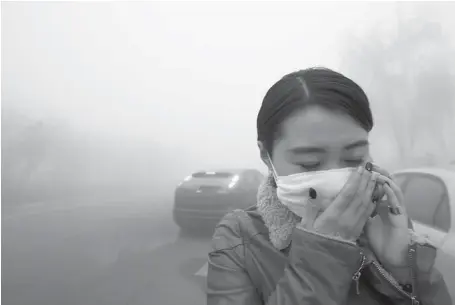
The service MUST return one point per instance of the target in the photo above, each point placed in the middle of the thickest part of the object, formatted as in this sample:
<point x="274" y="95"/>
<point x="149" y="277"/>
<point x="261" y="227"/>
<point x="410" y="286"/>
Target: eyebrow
<point x="309" y="149"/>
<point x="306" y="150"/>
<point x="357" y="144"/>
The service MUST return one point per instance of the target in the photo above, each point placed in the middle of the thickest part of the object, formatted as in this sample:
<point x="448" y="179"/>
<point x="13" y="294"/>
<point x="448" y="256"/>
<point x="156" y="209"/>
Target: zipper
<point x="395" y="284"/>
<point x="358" y="273"/>
<point x="414" y="301"/>
<point x="389" y="278"/>
<point x="413" y="275"/>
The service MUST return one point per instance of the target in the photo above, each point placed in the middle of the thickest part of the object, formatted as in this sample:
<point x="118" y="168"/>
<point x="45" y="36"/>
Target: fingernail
<point x="313" y="193"/>
<point x="394" y="211"/>
<point x="369" y="166"/>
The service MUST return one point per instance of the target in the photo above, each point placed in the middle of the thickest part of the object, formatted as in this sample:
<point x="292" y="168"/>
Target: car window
<point x="401" y="180"/>
<point x="442" y="218"/>
<point x="426" y="200"/>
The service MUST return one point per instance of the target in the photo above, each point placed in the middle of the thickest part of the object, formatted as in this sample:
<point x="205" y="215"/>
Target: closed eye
<point x="310" y="166"/>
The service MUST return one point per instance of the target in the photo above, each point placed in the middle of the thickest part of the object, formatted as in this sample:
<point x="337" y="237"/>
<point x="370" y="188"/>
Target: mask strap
<point x="274" y="173"/>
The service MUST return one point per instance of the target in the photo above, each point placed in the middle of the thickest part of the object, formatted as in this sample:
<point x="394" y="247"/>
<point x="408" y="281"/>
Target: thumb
<point x="312" y="214"/>
<point x="382" y="208"/>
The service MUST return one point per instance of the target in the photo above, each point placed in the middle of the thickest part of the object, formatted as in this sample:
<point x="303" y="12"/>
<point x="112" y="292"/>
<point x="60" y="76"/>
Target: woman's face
<point x="315" y="139"/>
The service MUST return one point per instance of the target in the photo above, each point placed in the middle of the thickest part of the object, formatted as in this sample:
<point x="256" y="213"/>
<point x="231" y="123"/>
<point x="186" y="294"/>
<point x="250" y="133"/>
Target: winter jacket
<point x="246" y="269"/>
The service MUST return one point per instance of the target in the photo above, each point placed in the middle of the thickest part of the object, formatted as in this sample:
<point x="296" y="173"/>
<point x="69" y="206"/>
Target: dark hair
<point x="315" y="86"/>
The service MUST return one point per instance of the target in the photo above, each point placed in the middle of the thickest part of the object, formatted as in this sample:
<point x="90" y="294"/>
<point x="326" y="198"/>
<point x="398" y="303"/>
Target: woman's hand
<point x="388" y="232"/>
<point x="351" y="209"/>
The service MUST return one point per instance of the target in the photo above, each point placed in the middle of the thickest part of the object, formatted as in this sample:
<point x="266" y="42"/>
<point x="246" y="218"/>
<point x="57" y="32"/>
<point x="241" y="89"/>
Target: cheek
<point x="284" y="168"/>
<point x="282" y="165"/>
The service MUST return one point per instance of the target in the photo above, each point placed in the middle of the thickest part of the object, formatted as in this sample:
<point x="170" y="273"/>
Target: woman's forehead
<point x="318" y="127"/>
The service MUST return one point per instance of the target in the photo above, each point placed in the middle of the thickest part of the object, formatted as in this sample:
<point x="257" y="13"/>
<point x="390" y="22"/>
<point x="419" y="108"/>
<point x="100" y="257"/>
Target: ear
<point x="264" y="155"/>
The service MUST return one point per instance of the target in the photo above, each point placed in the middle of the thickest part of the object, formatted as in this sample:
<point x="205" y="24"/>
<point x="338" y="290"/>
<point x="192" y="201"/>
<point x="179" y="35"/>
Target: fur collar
<point x="279" y="220"/>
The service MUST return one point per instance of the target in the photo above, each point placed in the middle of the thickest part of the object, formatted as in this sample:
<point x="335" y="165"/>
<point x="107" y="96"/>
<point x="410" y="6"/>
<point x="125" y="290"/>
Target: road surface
<point x="125" y="253"/>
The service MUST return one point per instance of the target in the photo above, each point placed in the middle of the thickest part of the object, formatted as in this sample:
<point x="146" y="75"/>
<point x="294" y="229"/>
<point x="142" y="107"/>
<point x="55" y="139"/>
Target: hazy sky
<point x="183" y="74"/>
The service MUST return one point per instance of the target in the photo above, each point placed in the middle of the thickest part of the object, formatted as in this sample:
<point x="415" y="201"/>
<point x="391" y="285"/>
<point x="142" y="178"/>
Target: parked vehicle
<point x="203" y="198"/>
<point x="429" y="198"/>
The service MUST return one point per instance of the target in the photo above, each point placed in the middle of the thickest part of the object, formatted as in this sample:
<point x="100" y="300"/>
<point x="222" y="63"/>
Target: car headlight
<point x="234" y="181"/>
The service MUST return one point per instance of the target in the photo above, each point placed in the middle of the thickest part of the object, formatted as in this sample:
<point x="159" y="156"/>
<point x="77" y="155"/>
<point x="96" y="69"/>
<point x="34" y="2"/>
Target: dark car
<point x="203" y="198"/>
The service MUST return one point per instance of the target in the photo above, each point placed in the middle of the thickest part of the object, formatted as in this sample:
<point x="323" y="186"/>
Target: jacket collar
<point x="279" y="220"/>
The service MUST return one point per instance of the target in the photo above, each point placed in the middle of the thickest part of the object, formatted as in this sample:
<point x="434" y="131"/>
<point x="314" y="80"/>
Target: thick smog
<point x="132" y="131"/>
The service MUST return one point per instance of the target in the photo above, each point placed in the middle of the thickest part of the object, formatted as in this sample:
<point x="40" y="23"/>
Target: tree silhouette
<point x="410" y="81"/>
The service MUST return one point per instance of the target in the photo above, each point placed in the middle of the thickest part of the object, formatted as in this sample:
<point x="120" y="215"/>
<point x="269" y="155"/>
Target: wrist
<point x="398" y="258"/>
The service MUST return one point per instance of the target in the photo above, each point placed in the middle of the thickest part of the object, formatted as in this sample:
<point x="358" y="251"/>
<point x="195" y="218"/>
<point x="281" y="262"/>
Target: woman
<point x="318" y="234"/>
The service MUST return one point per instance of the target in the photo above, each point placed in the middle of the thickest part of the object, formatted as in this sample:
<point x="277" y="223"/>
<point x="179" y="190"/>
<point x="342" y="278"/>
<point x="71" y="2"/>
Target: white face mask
<point x="302" y="191"/>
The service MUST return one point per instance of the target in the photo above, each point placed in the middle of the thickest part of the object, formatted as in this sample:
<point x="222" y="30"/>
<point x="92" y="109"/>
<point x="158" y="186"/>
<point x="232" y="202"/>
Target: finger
<point x="373" y="224"/>
<point x="397" y="190"/>
<point x="367" y="208"/>
<point x="382" y="209"/>
<point x="363" y="211"/>
<point x="310" y="216"/>
<point x="396" y="219"/>
<point x="392" y="198"/>
<point x="390" y="220"/>
<point x="348" y="192"/>
<point x="370" y="210"/>
<point x="364" y="194"/>
<point x="371" y="187"/>
<point x="378" y="192"/>
<point x="357" y="211"/>
<point x="391" y="183"/>
<point x="361" y="224"/>
<point x="365" y="181"/>
<point x="380" y="170"/>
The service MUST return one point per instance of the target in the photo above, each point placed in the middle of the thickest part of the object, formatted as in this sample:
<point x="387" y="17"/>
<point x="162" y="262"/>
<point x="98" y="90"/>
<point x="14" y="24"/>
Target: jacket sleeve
<point x="430" y="287"/>
<point x="426" y="283"/>
<point x="319" y="271"/>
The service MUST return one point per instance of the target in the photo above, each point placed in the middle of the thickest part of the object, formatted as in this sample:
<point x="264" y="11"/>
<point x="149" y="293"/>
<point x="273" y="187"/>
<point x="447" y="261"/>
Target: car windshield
<point x="427" y="201"/>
